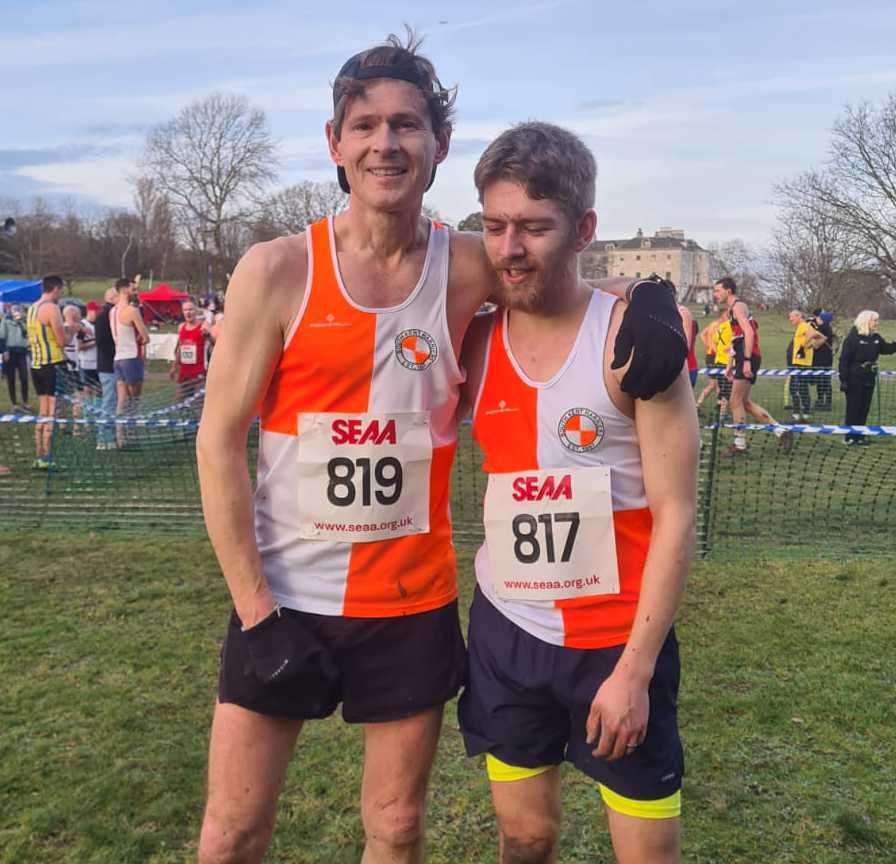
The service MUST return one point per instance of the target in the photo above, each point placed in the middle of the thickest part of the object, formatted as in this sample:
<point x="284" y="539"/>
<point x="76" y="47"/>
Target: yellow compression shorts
<point x="661" y="808"/>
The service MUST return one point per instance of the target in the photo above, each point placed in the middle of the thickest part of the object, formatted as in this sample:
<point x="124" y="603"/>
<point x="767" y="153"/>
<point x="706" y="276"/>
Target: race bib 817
<point x="550" y="534"/>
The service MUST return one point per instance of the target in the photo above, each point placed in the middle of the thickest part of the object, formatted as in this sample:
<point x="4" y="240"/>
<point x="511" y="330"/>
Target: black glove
<point x="843" y="387"/>
<point x="282" y="649"/>
<point x="652" y="329"/>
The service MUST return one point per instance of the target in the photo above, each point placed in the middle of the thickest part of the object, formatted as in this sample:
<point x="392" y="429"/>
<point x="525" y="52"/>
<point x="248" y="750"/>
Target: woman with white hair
<point x="858" y="369"/>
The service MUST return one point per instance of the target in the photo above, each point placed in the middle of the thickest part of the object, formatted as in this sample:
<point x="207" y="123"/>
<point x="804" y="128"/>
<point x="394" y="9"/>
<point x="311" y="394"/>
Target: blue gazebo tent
<point x="19" y="290"/>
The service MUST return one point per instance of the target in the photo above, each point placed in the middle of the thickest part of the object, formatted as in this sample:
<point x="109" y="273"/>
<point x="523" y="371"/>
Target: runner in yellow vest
<point x="46" y="336"/>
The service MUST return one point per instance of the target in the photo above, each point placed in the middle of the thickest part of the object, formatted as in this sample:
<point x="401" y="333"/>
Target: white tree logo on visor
<point x="416" y="349"/>
<point x="580" y="430"/>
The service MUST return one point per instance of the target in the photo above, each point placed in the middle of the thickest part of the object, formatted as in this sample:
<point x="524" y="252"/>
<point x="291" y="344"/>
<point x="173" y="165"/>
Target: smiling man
<point x="342" y="571"/>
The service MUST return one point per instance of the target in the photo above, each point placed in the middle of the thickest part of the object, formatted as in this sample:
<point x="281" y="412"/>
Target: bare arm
<point x="52" y="317"/>
<point x="134" y="317"/>
<point x="262" y="299"/>
<point x="667" y="432"/>
<point x="473" y="362"/>
<point x="687" y="321"/>
<point x="741" y="313"/>
<point x="615" y="285"/>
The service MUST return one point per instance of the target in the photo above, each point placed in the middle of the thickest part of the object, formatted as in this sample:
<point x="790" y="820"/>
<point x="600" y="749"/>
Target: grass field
<point x="108" y="663"/>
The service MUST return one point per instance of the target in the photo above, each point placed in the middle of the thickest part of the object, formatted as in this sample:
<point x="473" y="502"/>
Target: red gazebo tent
<point x="162" y="303"/>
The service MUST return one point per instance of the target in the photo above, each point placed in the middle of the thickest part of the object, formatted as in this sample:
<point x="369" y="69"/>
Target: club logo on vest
<point x="416" y="349"/>
<point x="580" y="430"/>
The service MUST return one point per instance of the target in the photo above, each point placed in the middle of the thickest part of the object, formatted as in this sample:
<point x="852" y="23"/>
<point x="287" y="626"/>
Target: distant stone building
<point x="668" y="253"/>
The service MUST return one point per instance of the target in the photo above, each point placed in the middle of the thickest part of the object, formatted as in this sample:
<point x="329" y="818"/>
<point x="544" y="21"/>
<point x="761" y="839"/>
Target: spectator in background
<point x="823" y="358"/>
<point x="130" y="335"/>
<point x="105" y="368"/>
<point x="46" y="336"/>
<point x="690" y="331"/>
<point x="805" y="338"/>
<point x="716" y="338"/>
<point x="858" y="369"/>
<point x="71" y="318"/>
<point x="14" y="346"/>
<point x="189" y="355"/>
<point x="90" y="380"/>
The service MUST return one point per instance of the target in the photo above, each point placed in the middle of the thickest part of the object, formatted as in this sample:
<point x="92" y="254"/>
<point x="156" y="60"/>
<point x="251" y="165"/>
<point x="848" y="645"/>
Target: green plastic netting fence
<point x="815" y="497"/>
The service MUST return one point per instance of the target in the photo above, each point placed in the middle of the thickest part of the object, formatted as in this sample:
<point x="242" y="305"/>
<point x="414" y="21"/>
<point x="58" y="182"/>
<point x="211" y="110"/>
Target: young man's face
<point x="387" y="146"/>
<point x="530" y="243"/>
<point x="720" y="294"/>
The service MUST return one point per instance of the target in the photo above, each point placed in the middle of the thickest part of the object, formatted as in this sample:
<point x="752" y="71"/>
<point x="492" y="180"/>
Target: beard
<point x="533" y="293"/>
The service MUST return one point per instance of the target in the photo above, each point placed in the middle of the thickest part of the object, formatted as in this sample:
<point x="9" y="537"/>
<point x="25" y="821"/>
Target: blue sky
<point x="693" y="109"/>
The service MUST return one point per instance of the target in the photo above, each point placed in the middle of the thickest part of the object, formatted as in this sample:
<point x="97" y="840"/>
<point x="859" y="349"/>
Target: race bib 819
<point x="363" y="477"/>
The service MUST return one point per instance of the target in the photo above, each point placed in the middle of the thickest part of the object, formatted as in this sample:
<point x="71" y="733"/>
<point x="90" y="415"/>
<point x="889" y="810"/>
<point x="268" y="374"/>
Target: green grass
<point x="108" y="662"/>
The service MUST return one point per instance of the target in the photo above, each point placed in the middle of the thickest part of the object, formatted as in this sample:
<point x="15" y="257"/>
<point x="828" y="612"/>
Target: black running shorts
<point x="46" y="378"/>
<point x="389" y="668"/>
<point x="755" y="363"/>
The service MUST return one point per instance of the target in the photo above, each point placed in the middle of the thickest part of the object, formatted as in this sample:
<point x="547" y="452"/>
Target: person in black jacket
<point x="858" y="369"/>
<point x="823" y="357"/>
<point x="105" y="355"/>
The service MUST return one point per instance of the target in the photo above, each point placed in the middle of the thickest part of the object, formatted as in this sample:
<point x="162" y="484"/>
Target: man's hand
<point x="282" y="649"/>
<point x="618" y="717"/>
<point x="651" y="337"/>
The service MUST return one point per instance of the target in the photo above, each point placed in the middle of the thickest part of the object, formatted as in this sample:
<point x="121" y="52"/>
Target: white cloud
<point x="104" y="180"/>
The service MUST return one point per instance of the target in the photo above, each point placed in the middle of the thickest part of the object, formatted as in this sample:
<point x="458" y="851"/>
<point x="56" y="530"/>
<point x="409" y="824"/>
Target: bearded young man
<point x="342" y="568"/>
<point x="589" y="526"/>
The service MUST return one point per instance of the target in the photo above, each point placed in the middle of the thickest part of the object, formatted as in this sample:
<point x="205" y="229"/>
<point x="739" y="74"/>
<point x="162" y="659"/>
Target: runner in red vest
<point x="189" y="356"/>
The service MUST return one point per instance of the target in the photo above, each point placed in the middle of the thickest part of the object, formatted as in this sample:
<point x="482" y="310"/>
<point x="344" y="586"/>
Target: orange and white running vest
<point x="554" y="512"/>
<point x="356" y="444"/>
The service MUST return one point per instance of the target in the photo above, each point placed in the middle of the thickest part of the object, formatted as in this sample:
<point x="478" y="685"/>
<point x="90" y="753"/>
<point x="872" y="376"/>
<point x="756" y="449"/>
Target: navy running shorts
<point x="526" y="703"/>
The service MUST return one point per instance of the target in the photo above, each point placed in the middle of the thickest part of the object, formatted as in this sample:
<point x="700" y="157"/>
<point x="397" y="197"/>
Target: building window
<point x="637" y="257"/>
<point x="668" y="274"/>
<point x="669" y="257"/>
<point x="638" y="275"/>
<point x="622" y="272"/>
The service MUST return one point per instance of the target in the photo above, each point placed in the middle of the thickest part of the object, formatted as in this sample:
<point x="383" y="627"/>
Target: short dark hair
<point x="395" y="52"/>
<point x="547" y="161"/>
<point x="51" y="283"/>
<point x="728" y="284"/>
<point x="123" y="283"/>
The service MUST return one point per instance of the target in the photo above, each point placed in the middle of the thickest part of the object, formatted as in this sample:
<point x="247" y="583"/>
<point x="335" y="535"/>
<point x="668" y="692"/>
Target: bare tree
<point x="156" y="232"/>
<point x="292" y="209"/>
<point x="213" y="162"/>
<point x="859" y="186"/>
<point x="736" y="259"/>
<point x="811" y="248"/>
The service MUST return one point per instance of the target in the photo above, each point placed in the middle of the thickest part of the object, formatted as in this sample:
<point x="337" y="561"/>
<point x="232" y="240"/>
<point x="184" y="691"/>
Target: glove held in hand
<point x="652" y="335"/>
<point x="281" y="649"/>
